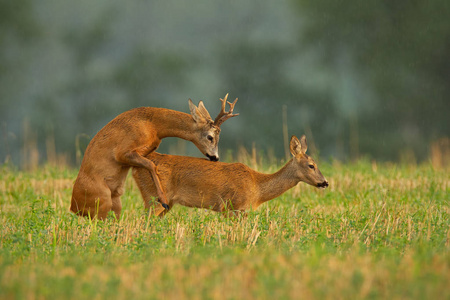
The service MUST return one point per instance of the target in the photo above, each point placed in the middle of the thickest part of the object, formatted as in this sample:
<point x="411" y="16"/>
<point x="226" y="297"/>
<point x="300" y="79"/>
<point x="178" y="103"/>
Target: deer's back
<point x="124" y="132"/>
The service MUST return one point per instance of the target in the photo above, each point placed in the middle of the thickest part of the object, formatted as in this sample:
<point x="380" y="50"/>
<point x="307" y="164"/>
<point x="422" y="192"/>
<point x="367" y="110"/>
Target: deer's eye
<point x="311" y="167"/>
<point x="210" y="138"/>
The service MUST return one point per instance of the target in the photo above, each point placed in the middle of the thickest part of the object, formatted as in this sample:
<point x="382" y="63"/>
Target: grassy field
<point x="380" y="231"/>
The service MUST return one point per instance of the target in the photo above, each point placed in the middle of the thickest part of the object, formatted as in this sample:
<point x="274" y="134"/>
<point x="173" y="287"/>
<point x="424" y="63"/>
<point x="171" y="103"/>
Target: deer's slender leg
<point x="159" y="189"/>
<point x="135" y="159"/>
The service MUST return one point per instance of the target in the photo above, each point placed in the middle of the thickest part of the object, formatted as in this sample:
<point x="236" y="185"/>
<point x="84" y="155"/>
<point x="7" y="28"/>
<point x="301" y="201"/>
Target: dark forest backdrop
<point x="360" y="78"/>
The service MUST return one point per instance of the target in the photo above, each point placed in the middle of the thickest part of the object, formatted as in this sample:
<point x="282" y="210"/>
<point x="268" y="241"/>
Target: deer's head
<point x="306" y="168"/>
<point x="208" y="131"/>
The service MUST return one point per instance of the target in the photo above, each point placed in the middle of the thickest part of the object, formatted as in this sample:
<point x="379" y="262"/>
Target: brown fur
<point x="124" y="142"/>
<point x="224" y="187"/>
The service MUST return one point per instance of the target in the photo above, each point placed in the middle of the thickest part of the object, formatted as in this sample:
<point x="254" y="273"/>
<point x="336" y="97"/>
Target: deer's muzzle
<point x="212" y="157"/>
<point x="323" y="184"/>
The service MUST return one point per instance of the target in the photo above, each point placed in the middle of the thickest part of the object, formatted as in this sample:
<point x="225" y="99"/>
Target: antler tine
<point x="232" y="106"/>
<point x="222" y="110"/>
<point x="223" y="115"/>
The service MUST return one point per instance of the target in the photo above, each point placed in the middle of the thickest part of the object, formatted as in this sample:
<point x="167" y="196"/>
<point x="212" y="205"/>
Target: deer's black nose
<point x="212" y="157"/>
<point x="323" y="184"/>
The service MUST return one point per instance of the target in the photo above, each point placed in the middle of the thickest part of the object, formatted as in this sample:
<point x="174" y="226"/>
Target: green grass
<point x="379" y="231"/>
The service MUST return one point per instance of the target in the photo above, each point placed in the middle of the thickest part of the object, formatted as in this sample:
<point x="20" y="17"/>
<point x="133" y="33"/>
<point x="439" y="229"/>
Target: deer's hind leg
<point x="116" y="203"/>
<point x="91" y="202"/>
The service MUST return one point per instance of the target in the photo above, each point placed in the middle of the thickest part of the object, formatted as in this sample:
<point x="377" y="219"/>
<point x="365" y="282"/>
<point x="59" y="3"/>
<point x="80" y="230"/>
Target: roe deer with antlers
<point x="126" y="140"/>
<point x="224" y="187"/>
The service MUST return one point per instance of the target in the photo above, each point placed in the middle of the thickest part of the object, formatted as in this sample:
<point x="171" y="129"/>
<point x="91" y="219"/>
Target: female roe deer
<point x="224" y="187"/>
<point x="126" y="140"/>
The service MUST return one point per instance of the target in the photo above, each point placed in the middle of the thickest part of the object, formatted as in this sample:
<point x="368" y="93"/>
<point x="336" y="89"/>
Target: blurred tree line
<point x="360" y="78"/>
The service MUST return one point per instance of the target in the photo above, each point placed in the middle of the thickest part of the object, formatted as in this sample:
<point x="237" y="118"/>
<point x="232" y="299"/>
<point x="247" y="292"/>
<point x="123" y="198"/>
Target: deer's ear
<point x="304" y="144"/>
<point x="298" y="146"/>
<point x="203" y="111"/>
<point x="295" y="146"/>
<point x="195" y="112"/>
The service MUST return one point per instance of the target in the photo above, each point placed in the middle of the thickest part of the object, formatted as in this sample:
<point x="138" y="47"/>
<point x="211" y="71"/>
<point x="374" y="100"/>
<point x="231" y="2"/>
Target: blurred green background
<point x="359" y="78"/>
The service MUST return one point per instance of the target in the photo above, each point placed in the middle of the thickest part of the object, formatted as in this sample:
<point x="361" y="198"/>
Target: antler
<point x="223" y="115"/>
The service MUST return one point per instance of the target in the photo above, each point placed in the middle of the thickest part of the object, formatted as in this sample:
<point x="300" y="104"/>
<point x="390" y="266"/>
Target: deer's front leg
<point x="155" y="207"/>
<point x="237" y="214"/>
<point x="132" y="158"/>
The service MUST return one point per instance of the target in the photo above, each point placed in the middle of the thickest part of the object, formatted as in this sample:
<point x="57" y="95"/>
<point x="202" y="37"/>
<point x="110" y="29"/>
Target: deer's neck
<point x="171" y="123"/>
<point x="273" y="185"/>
